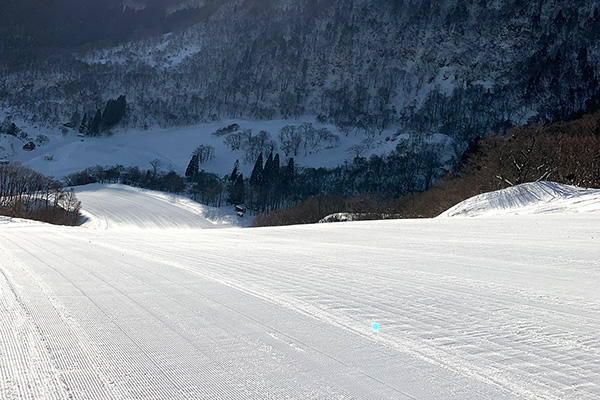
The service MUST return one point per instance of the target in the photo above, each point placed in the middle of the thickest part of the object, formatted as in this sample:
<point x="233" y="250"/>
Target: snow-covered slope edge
<point x="114" y="205"/>
<point x="529" y="198"/>
<point x="18" y="222"/>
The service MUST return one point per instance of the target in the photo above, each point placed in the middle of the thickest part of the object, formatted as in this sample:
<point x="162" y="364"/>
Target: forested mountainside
<point x="32" y="28"/>
<point x="456" y="67"/>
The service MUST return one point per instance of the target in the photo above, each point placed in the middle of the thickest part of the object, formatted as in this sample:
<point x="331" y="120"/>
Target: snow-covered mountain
<point x="458" y="67"/>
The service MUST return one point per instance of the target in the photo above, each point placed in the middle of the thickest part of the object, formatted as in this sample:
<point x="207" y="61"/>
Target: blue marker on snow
<point x="375" y="326"/>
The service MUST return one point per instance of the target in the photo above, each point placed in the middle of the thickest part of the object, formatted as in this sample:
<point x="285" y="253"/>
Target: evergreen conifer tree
<point x="192" y="168"/>
<point x="276" y="169"/>
<point x="84" y="124"/>
<point x="232" y="181"/>
<point x="287" y="178"/>
<point x="268" y="170"/>
<point x="234" y="174"/>
<point x="258" y="173"/>
<point x="94" y="125"/>
<point x="290" y="171"/>
<point x="236" y="194"/>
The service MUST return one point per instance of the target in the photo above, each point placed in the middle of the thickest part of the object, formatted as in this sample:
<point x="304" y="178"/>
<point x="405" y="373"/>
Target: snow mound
<point x="339" y="217"/>
<point x="529" y="198"/>
<point x="113" y="205"/>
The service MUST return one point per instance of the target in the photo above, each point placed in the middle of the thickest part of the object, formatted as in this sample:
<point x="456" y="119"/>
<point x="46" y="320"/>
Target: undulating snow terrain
<point x="503" y="307"/>
<point x="529" y="198"/>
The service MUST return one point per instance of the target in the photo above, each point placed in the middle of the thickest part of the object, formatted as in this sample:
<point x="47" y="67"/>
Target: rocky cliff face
<point x="457" y="67"/>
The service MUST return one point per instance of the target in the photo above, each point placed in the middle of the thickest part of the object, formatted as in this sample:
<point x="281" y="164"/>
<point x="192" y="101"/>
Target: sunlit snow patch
<point x="529" y="198"/>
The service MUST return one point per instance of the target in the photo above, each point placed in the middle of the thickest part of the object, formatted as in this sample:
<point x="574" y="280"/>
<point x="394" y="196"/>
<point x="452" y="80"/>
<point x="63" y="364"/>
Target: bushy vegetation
<point x="564" y="152"/>
<point x="315" y="208"/>
<point x="25" y="193"/>
<point x="153" y="178"/>
<point x="398" y="184"/>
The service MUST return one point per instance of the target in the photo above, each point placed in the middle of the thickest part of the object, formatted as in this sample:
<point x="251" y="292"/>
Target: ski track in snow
<point x="120" y="206"/>
<point x="468" y="308"/>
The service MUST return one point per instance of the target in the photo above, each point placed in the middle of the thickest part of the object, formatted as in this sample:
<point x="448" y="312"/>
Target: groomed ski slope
<point x="107" y="206"/>
<point x="503" y="307"/>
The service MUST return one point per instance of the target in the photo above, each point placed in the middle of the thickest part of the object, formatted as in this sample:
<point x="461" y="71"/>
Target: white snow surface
<point x="529" y="198"/>
<point x="107" y="206"/>
<point x="468" y="308"/>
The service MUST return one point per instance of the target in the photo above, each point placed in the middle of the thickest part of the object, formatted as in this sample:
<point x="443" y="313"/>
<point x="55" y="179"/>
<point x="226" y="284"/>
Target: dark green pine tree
<point x="268" y="170"/>
<point x="121" y="107"/>
<point x="236" y="195"/>
<point x="276" y="169"/>
<point x="84" y="124"/>
<point x="258" y="189"/>
<point x="113" y="113"/>
<point x="234" y="174"/>
<point x="258" y="173"/>
<point x="231" y="182"/>
<point x="94" y="125"/>
<point x="287" y="177"/>
<point x="273" y="182"/>
<point x="192" y="169"/>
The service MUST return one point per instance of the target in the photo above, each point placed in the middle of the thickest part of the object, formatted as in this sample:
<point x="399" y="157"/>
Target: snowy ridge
<point x="529" y="198"/>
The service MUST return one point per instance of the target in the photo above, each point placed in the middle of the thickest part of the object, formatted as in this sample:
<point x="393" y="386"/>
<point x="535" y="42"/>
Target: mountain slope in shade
<point x="529" y="198"/>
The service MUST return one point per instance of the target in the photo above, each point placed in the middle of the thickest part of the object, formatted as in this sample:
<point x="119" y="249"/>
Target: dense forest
<point x="33" y="29"/>
<point x="403" y="184"/>
<point x="455" y="67"/>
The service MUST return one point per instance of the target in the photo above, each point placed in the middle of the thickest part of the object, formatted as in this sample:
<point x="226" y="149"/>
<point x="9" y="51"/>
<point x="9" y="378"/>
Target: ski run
<point x="151" y="306"/>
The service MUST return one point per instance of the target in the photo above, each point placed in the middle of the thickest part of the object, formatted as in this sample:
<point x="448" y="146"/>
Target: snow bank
<point x="529" y="198"/>
<point x="20" y="222"/>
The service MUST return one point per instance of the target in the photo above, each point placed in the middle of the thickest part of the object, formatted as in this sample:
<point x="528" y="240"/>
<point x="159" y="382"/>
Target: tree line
<point x="25" y="193"/>
<point x="565" y="152"/>
<point x="101" y="121"/>
<point x="412" y="166"/>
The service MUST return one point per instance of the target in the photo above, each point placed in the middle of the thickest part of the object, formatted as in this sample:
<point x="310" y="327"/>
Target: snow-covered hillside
<point x="459" y="67"/>
<point x="119" y="206"/>
<point x="508" y="309"/>
<point x="529" y="198"/>
<point x="174" y="147"/>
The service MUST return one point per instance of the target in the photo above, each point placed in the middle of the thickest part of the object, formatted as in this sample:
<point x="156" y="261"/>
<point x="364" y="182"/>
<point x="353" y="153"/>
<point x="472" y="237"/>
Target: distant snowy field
<point x="503" y="307"/>
<point x="174" y="147"/>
